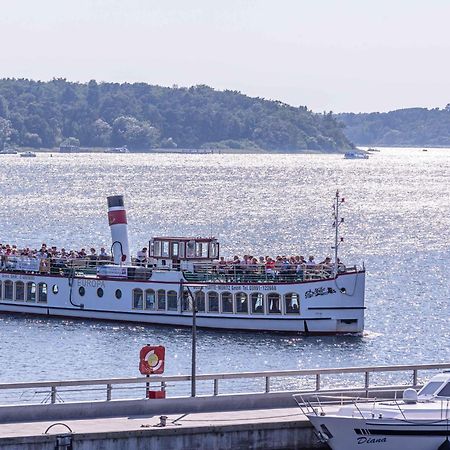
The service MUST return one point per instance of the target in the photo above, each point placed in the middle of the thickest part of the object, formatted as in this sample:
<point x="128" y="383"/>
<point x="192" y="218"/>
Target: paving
<point x="135" y="423"/>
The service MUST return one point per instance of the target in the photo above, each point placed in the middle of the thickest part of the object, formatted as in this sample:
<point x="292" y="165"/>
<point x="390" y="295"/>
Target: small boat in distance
<point x="8" y="151"/>
<point x="373" y="150"/>
<point x="28" y="155"/>
<point x="420" y="421"/>
<point x="117" y="150"/>
<point x="355" y="155"/>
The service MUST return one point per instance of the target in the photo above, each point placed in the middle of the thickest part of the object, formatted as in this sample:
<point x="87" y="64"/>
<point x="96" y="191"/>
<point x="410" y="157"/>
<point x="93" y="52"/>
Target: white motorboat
<point x="356" y="155"/>
<point x="419" y="421"/>
<point x="28" y="155"/>
<point x="181" y="272"/>
<point x="123" y="149"/>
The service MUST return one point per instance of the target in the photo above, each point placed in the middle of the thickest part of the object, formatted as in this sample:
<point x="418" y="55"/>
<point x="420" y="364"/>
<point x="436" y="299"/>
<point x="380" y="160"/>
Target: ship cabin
<point x="182" y="253"/>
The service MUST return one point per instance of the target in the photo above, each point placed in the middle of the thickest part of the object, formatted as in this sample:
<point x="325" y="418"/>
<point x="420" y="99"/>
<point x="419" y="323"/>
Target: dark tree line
<point x="142" y="116"/>
<point x="404" y="127"/>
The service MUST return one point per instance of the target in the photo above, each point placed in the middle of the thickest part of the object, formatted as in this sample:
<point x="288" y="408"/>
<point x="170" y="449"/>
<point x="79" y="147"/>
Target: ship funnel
<point x="117" y="217"/>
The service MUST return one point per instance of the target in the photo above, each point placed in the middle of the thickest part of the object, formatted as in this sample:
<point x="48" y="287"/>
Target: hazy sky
<point x="340" y="55"/>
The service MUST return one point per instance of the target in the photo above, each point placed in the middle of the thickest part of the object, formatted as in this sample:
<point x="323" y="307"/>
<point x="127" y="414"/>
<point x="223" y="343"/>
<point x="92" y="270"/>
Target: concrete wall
<point x="263" y="436"/>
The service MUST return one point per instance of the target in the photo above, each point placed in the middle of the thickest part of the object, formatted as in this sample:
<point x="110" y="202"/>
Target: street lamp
<point x="199" y="288"/>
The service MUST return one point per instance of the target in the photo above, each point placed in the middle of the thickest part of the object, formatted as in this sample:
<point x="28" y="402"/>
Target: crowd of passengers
<point x="247" y="265"/>
<point x="279" y="266"/>
<point x="53" y="252"/>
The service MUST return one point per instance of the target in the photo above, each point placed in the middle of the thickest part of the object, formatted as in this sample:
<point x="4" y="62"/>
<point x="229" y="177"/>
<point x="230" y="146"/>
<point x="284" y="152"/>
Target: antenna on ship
<point x="338" y="221"/>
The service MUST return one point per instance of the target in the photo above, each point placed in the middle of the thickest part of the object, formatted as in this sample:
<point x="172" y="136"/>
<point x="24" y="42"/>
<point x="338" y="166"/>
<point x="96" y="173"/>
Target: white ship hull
<point x="356" y="433"/>
<point x="329" y="306"/>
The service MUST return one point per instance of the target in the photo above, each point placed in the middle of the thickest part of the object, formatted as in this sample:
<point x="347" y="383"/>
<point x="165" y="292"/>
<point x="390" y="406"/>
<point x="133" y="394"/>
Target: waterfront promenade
<point x="268" y="420"/>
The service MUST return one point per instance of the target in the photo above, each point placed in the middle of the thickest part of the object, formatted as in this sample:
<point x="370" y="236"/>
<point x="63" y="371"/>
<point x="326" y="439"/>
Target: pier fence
<point x="329" y="380"/>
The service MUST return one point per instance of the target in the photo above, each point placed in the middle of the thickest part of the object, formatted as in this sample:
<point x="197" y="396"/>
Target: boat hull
<point x="356" y="433"/>
<point x="329" y="306"/>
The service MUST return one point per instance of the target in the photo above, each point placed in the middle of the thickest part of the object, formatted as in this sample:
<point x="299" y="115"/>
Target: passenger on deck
<point x="142" y="257"/>
<point x="270" y="267"/>
<point x="311" y="263"/>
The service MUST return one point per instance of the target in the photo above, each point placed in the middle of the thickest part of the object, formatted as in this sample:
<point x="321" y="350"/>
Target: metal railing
<point x="259" y="273"/>
<point x="298" y="381"/>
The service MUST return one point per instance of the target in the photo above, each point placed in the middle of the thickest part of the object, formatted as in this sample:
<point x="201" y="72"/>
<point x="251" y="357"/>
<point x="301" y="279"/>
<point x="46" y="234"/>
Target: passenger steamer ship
<point x="184" y="274"/>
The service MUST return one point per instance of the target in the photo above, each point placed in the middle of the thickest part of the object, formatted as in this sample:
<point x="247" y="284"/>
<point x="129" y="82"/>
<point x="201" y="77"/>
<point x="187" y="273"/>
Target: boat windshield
<point x="430" y="388"/>
<point x="445" y="391"/>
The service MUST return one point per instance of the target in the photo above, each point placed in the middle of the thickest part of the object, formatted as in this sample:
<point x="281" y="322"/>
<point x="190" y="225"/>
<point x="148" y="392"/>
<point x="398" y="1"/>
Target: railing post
<point x="267" y="385"/>
<point x="415" y="377"/>
<point x="108" y="392"/>
<point x="216" y="386"/>
<point x="53" y="395"/>
<point x="317" y="381"/>
<point x="367" y="383"/>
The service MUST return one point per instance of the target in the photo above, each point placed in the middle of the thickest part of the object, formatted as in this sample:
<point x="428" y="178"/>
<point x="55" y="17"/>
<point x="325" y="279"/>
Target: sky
<point x="328" y="55"/>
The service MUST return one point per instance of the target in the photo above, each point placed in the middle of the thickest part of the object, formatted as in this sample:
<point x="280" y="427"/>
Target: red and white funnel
<point x="117" y="217"/>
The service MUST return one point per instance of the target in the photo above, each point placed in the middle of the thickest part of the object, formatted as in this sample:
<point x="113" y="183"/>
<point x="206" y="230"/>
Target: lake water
<point x="397" y="221"/>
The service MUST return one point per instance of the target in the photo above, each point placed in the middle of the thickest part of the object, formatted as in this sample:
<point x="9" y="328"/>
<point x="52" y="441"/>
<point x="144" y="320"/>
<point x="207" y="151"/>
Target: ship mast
<point x="336" y="224"/>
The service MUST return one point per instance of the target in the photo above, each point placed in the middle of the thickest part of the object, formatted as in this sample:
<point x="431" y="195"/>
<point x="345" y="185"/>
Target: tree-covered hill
<point x="142" y="116"/>
<point x="404" y="127"/>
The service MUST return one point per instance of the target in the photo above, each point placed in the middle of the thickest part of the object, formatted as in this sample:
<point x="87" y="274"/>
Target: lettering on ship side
<point x="369" y="440"/>
<point x="91" y="283"/>
<point x="319" y="291"/>
<point x="229" y="287"/>
<point x="15" y="276"/>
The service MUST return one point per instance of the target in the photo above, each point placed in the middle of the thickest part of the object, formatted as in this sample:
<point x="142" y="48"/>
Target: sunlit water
<point x="397" y="221"/>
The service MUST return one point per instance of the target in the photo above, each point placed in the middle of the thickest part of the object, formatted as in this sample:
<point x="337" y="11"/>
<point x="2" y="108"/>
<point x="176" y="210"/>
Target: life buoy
<point x="151" y="359"/>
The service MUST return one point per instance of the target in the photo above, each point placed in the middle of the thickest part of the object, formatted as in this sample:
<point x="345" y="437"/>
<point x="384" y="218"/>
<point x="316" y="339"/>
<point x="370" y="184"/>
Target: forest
<point x="41" y="114"/>
<point x="403" y="127"/>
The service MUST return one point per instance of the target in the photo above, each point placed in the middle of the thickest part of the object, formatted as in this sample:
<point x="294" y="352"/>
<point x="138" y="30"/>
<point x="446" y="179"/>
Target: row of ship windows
<point x="24" y="292"/>
<point x="160" y="300"/>
<point x="226" y="302"/>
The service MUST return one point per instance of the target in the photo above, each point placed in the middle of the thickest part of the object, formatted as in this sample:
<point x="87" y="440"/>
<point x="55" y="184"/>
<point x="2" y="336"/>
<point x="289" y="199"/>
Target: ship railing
<point x="224" y="273"/>
<point x="362" y="381"/>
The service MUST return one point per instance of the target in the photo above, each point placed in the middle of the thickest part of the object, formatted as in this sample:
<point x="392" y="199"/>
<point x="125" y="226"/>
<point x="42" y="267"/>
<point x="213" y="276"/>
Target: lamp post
<point x="194" y="334"/>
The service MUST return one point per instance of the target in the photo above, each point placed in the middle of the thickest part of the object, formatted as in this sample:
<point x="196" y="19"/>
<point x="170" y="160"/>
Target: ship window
<point x="165" y="248"/>
<point x="213" y="253"/>
<point x="213" y="302"/>
<point x="430" y="388"/>
<point x="292" y="303"/>
<point x="100" y="292"/>
<point x="186" y="303"/>
<point x="1" y="285"/>
<point x="182" y="246"/>
<point x="31" y="292"/>
<point x="241" y="302"/>
<point x="257" y="299"/>
<point x="227" y="302"/>
<point x="9" y="290"/>
<point x="20" y="291"/>
<point x="162" y="300"/>
<point x="55" y="289"/>
<point x="445" y="392"/>
<point x="150" y="299"/>
<point x="157" y="248"/>
<point x="81" y="291"/>
<point x="137" y="299"/>
<point x="118" y="294"/>
<point x="200" y="301"/>
<point x="175" y="249"/>
<point x="42" y="293"/>
<point x="172" y="301"/>
<point x="190" y="252"/>
<point x="273" y="301"/>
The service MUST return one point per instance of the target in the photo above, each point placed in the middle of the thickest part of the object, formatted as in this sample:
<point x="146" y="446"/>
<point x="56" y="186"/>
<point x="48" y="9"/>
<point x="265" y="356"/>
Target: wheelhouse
<point x="182" y="252"/>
